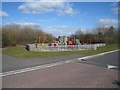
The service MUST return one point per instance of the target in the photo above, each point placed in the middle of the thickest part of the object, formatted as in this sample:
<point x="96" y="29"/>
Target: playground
<point x="62" y="44"/>
<point x="21" y="52"/>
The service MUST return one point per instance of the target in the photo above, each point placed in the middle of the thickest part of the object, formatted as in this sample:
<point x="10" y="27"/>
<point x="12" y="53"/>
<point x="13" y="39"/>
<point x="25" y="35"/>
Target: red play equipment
<point x="70" y="42"/>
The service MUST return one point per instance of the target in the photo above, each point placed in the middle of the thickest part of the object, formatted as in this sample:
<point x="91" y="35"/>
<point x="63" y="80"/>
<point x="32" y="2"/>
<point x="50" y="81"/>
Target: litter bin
<point x="27" y="47"/>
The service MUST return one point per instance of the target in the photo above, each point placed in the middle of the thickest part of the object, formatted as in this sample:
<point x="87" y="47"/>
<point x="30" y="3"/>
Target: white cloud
<point x="61" y="8"/>
<point x="115" y="4"/>
<point x="60" y="30"/>
<point x="47" y="20"/>
<point x="115" y="8"/>
<point x="28" y="24"/>
<point x="107" y="22"/>
<point x="3" y="14"/>
<point x="58" y="27"/>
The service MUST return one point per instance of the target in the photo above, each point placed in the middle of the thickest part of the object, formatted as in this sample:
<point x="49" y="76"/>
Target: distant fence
<point x="32" y="47"/>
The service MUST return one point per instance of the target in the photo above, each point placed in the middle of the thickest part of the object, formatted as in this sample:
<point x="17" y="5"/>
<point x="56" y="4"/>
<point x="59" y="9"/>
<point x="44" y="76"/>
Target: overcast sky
<point x="60" y="18"/>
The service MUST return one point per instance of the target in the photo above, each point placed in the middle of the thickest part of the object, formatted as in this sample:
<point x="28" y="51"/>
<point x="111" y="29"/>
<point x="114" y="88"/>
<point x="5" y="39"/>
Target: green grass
<point x="0" y="51"/>
<point x="22" y="53"/>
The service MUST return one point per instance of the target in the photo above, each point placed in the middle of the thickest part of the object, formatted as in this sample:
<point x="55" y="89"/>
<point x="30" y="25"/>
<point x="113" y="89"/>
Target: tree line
<point x="100" y="34"/>
<point x="14" y="34"/>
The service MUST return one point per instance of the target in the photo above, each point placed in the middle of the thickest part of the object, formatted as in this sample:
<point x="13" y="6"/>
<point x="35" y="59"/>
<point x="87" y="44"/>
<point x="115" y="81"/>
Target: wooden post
<point x="39" y="38"/>
<point x="46" y="39"/>
<point x="90" y="40"/>
<point x="87" y="41"/>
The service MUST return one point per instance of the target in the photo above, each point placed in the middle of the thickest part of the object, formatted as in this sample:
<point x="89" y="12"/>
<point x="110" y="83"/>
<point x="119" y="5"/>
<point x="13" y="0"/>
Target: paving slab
<point x="69" y="75"/>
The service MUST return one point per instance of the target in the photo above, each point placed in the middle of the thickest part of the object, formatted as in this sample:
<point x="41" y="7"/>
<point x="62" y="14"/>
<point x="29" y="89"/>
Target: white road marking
<point x="48" y="65"/>
<point x="33" y="68"/>
<point x="112" y="66"/>
<point x="93" y="56"/>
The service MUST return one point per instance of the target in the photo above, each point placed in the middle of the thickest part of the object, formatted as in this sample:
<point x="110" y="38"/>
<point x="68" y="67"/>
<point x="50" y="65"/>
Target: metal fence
<point x="32" y="47"/>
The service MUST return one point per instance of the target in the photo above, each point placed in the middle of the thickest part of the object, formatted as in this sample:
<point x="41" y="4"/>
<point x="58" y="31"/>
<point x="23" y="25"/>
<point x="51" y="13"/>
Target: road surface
<point x="12" y="63"/>
<point x="103" y="60"/>
<point x="74" y="74"/>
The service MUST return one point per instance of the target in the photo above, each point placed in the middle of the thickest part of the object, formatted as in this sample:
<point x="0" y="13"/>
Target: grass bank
<point x="22" y="53"/>
<point x="0" y="51"/>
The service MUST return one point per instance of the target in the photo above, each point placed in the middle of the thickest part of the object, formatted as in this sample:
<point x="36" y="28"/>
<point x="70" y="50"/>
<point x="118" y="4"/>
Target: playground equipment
<point x="46" y="39"/>
<point x="77" y="42"/>
<point x="89" y="41"/>
<point x="38" y="41"/>
<point x="32" y="47"/>
<point x="62" y="44"/>
<point x="62" y="40"/>
<point x="70" y="42"/>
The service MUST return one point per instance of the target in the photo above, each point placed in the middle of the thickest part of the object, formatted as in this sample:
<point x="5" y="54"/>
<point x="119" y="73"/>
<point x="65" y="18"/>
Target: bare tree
<point x="15" y="34"/>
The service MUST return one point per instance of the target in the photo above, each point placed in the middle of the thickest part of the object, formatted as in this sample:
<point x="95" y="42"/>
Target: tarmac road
<point x="103" y="60"/>
<point x="12" y="63"/>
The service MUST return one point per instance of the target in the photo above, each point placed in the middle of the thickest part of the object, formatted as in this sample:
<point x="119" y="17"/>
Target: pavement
<point x="70" y="75"/>
<point x="88" y="73"/>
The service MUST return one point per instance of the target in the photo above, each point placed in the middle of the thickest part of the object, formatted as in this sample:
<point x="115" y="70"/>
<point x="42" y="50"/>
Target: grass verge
<point x="20" y="52"/>
<point x="0" y="51"/>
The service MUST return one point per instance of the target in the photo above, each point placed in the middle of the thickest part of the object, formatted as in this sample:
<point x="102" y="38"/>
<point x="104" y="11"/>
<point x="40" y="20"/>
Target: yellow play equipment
<point x="41" y="44"/>
<point x="38" y="41"/>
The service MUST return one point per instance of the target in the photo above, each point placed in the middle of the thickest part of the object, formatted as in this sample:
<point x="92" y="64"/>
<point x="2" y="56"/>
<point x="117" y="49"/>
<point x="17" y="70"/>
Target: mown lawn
<point x="0" y="51"/>
<point x="22" y="53"/>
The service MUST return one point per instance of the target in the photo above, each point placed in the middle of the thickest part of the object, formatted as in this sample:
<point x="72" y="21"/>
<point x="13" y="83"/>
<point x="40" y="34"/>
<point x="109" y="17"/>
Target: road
<point x="103" y="60"/>
<point x="12" y="63"/>
<point x="75" y="74"/>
